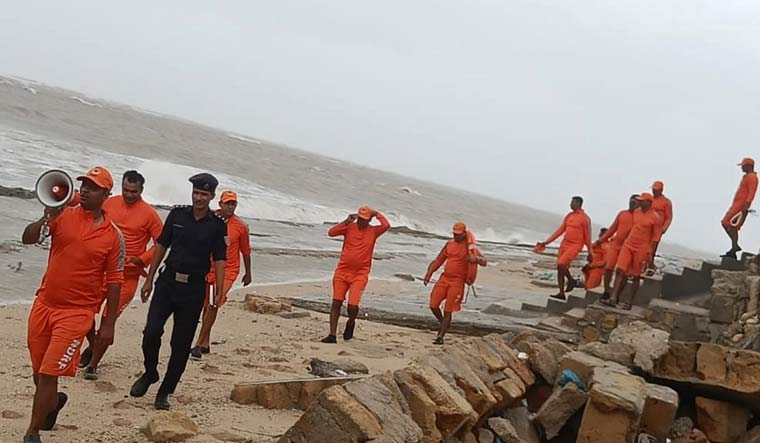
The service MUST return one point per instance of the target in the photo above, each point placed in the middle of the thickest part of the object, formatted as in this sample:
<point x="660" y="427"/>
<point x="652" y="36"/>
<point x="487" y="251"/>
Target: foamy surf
<point x="85" y="102"/>
<point x="244" y="139"/>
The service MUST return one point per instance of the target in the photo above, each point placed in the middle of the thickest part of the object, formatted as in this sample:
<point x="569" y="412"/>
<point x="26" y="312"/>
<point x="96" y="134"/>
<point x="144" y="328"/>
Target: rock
<point x="122" y="422"/>
<point x="752" y="290"/>
<point x="560" y="406"/>
<point x="11" y="415"/>
<point x="504" y="430"/>
<point x="223" y="435"/>
<point x="325" y="369"/>
<point x="614" y="407"/>
<point x="454" y="369"/>
<point x="294" y="314"/>
<point x="542" y="361"/>
<point x="436" y="407"/>
<point x="737" y="338"/>
<point x="265" y="305"/>
<point x="660" y="407"/>
<point x="621" y="353"/>
<point x="711" y="363"/>
<point x="743" y="374"/>
<point x="485" y="436"/>
<point x="584" y="364"/>
<point x="679" y="362"/>
<point x="469" y="438"/>
<point x="334" y="417"/>
<point x="383" y="398"/>
<point x="681" y="429"/>
<point x="170" y="426"/>
<point x="753" y="436"/>
<point x="650" y="343"/>
<point x="509" y="391"/>
<point x="720" y="421"/>
<point x="284" y="394"/>
<point x="521" y="419"/>
<point x="407" y="277"/>
<point x="351" y="366"/>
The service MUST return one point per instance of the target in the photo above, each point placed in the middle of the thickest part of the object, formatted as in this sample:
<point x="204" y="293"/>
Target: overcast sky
<point x="528" y="101"/>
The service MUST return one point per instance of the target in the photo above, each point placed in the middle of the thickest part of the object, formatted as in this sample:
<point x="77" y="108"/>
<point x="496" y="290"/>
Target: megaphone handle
<point x="45" y="231"/>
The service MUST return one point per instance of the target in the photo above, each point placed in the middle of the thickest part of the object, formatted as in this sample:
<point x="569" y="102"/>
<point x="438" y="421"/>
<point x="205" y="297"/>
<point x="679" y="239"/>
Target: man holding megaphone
<point x="86" y="252"/>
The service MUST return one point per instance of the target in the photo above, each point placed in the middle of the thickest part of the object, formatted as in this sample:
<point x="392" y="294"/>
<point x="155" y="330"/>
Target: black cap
<point x="204" y="182"/>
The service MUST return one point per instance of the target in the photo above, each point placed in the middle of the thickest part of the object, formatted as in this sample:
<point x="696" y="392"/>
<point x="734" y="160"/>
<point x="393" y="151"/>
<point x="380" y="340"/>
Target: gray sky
<point x="528" y="101"/>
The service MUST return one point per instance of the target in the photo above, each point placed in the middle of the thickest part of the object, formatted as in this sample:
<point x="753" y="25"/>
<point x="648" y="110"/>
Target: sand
<point x="246" y="347"/>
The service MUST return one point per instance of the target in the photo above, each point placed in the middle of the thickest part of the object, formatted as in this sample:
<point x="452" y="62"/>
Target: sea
<point x="288" y="196"/>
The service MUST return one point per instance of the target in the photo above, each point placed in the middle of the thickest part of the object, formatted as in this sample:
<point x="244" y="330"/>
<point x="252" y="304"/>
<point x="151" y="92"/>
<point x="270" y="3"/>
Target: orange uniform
<point x="577" y="229"/>
<point x="637" y="249"/>
<point x="664" y="209"/>
<point x="743" y="198"/>
<point x="616" y="235"/>
<point x="594" y="276"/>
<point x="81" y="257"/>
<point x="239" y="241"/>
<point x="450" y="287"/>
<point x="139" y="223"/>
<point x="352" y="273"/>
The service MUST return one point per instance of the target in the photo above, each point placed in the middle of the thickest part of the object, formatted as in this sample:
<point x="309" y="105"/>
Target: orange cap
<point x="747" y="161"/>
<point x="645" y="196"/>
<point x="365" y="213"/>
<point x="100" y="176"/>
<point x="459" y="228"/>
<point x="658" y="185"/>
<point x="228" y="196"/>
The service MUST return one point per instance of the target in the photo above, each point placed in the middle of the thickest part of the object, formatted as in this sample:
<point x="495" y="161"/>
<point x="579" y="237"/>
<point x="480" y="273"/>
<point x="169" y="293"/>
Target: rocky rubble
<point x="522" y="389"/>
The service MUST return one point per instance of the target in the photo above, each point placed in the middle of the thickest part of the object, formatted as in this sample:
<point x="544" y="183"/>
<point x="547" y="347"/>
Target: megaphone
<point x="55" y="189"/>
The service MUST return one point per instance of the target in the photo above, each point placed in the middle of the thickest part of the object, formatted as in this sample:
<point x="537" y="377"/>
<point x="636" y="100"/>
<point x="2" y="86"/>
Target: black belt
<point x="180" y="277"/>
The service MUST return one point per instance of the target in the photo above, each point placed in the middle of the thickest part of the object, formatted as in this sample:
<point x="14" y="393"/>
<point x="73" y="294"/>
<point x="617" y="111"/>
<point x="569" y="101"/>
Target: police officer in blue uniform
<point x="192" y="235"/>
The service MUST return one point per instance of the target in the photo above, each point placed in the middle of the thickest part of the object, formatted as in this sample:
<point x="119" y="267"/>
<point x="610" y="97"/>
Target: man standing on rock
<point x="664" y="209"/>
<point x="635" y="254"/>
<point x="352" y="274"/>
<point x="458" y="256"/>
<point x="616" y="235"/>
<point x="86" y="254"/>
<point x="239" y="243"/>
<point x="737" y="213"/>
<point x="576" y="228"/>
<point x="194" y="235"/>
<point x="139" y="223"/>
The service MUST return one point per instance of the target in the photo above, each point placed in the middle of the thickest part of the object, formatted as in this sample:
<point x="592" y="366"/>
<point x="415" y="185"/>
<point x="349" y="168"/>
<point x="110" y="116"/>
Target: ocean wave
<point x="244" y="139"/>
<point x="85" y="102"/>
<point x="409" y="190"/>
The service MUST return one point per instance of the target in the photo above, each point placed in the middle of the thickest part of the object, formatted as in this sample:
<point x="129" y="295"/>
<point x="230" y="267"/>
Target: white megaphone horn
<point x="55" y="189"/>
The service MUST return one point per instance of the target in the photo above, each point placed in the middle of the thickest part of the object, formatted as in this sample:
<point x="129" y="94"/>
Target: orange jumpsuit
<point x="637" y="249"/>
<point x="239" y="241"/>
<point x="352" y="273"/>
<point x="82" y="257"/>
<point x="577" y="229"/>
<point x="139" y="223"/>
<point x="743" y="198"/>
<point x="594" y="276"/>
<point x="619" y="229"/>
<point x="664" y="208"/>
<point x="450" y="286"/>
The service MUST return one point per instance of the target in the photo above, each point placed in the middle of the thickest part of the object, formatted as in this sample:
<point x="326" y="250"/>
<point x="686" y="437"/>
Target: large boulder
<point x="265" y="305"/>
<point x="170" y="427"/>
<point x="614" y="407"/>
<point x="383" y="398"/>
<point x="650" y="343"/>
<point x="722" y="422"/>
<point x="621" y="353"/>
<point x="438" y="409"/>
<point x="335" y="417"/>
<point x="562" y="405"/>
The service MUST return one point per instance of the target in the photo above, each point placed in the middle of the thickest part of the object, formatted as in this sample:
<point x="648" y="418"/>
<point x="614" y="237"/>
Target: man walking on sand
<point x="86" y="253"/>
<point x="457" y="256"/>
<point x="737" y="214"/>
<point x="352" y="274"/>
<point x="195" y="235"/>
<point x="637" y="249"/>
<point x="616" y="235"/>
<point x="239" y="243"/>
<point x="139" y="223"/>
<point x="576" y="228"/>
<point x="664" y="209"/>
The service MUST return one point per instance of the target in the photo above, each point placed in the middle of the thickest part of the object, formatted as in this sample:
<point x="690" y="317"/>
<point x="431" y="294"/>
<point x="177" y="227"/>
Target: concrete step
<point x="577" y="301"/>
<point x="533" y="308"/>
<point x="592" y="297"/>
<point x="554" y="324"/>
<point x="571" y="318"/>
<point x="555" y="306"/>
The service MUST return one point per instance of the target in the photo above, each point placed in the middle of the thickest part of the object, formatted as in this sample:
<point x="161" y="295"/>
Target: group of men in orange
<point x="98" y="253"/>
<point x="625" y="251"/>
